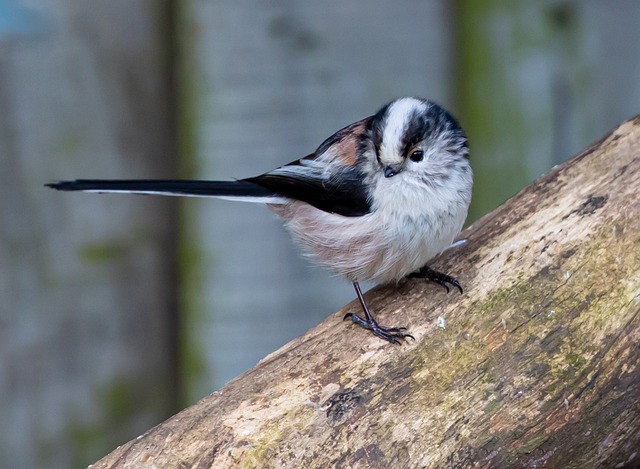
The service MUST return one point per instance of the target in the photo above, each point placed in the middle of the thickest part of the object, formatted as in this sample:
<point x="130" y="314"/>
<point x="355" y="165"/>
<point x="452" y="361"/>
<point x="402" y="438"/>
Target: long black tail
<point x="241" y="190"/>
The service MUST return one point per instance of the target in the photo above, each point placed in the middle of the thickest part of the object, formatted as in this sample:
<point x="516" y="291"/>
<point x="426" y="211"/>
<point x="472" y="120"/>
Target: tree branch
<point x="536" y="364"/>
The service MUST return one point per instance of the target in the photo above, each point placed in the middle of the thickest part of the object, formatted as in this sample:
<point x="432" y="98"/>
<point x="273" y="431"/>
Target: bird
<point x="376" y="201"/>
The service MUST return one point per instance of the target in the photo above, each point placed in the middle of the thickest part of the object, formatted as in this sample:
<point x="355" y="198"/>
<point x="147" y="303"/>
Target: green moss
<point x="88" y="441"/>
<point x="119" y="404"/>
<point x="192" y="360"/>
<point x="575" y="360"/>
<point x="556" y="349"/>
<point x="119" y="400"/>
<point x="532" y="444"/>
<point x="492" y="405"/>
<point x="70" y="144"/>
<point x="261" y="452"/>
<point x="102" y="252"/>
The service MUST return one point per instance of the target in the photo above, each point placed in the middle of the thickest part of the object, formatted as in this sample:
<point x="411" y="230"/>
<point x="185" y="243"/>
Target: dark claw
<point x="436" y="277"/>
<point x="390" y="334"/>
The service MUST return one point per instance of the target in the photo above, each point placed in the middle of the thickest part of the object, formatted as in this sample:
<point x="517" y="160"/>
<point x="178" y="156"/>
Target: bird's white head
<point x="416" y="147"/>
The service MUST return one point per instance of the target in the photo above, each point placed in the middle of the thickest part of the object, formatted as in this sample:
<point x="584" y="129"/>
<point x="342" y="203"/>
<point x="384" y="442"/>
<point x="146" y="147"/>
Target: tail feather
<point x="237" y="190"/>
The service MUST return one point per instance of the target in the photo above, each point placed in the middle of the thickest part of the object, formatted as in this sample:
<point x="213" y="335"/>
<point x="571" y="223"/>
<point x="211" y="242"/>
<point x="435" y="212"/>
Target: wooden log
<point x="535" y="365"/>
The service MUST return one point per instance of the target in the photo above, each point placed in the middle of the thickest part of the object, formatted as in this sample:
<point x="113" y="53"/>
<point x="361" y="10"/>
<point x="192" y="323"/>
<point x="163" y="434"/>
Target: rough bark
<point x="535" y="365"/>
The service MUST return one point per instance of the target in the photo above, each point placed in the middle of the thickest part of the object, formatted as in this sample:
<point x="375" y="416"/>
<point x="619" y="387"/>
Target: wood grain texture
<point x="536" y="365"/>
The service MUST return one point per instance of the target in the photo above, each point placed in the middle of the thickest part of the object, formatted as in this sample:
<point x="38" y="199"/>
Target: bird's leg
<point x="436" y="277"/>
<point x="391" y="334"/>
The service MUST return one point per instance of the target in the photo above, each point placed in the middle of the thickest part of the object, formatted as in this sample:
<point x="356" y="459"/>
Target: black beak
<point x="390" y="172"/>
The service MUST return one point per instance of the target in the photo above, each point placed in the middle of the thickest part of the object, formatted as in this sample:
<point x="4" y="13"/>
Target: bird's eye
<point x="416" y="155"/>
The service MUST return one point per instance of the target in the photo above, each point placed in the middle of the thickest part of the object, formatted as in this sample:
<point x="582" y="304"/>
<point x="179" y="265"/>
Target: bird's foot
<point x="436" y="277"/>
<point x="390" y="334"/>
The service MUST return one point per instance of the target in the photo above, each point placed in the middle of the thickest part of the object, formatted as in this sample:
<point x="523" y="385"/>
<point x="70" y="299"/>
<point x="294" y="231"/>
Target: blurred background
<point x="117" y="311"/>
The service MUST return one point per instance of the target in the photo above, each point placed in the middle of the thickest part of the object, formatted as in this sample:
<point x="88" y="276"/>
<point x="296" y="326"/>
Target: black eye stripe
<point x="418" y="128"/>
<point x="376" y="127"/>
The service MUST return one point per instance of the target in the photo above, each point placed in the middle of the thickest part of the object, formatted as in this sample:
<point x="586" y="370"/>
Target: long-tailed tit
<point x="376" y="201"/>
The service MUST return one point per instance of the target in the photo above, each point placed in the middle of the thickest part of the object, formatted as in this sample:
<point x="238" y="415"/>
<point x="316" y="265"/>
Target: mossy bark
<point x="537" y="364"/>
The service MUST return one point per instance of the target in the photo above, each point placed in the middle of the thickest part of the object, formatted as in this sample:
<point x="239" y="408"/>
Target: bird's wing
<point x="329" y="178"/>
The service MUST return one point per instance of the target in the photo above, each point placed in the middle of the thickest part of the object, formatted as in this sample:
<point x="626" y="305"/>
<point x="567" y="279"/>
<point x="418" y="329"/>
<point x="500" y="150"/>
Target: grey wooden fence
<point x="117" y="310"/>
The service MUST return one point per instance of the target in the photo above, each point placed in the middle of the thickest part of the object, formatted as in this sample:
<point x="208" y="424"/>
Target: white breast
<point x="394" y="240"/>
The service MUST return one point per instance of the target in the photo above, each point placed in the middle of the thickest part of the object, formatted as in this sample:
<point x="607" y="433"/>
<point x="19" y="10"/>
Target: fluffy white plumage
<point x="411" y="220"/>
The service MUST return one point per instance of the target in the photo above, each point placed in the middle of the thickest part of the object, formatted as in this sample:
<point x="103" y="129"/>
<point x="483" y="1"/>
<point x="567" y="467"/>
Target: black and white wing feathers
<point x="341" y="191"/>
